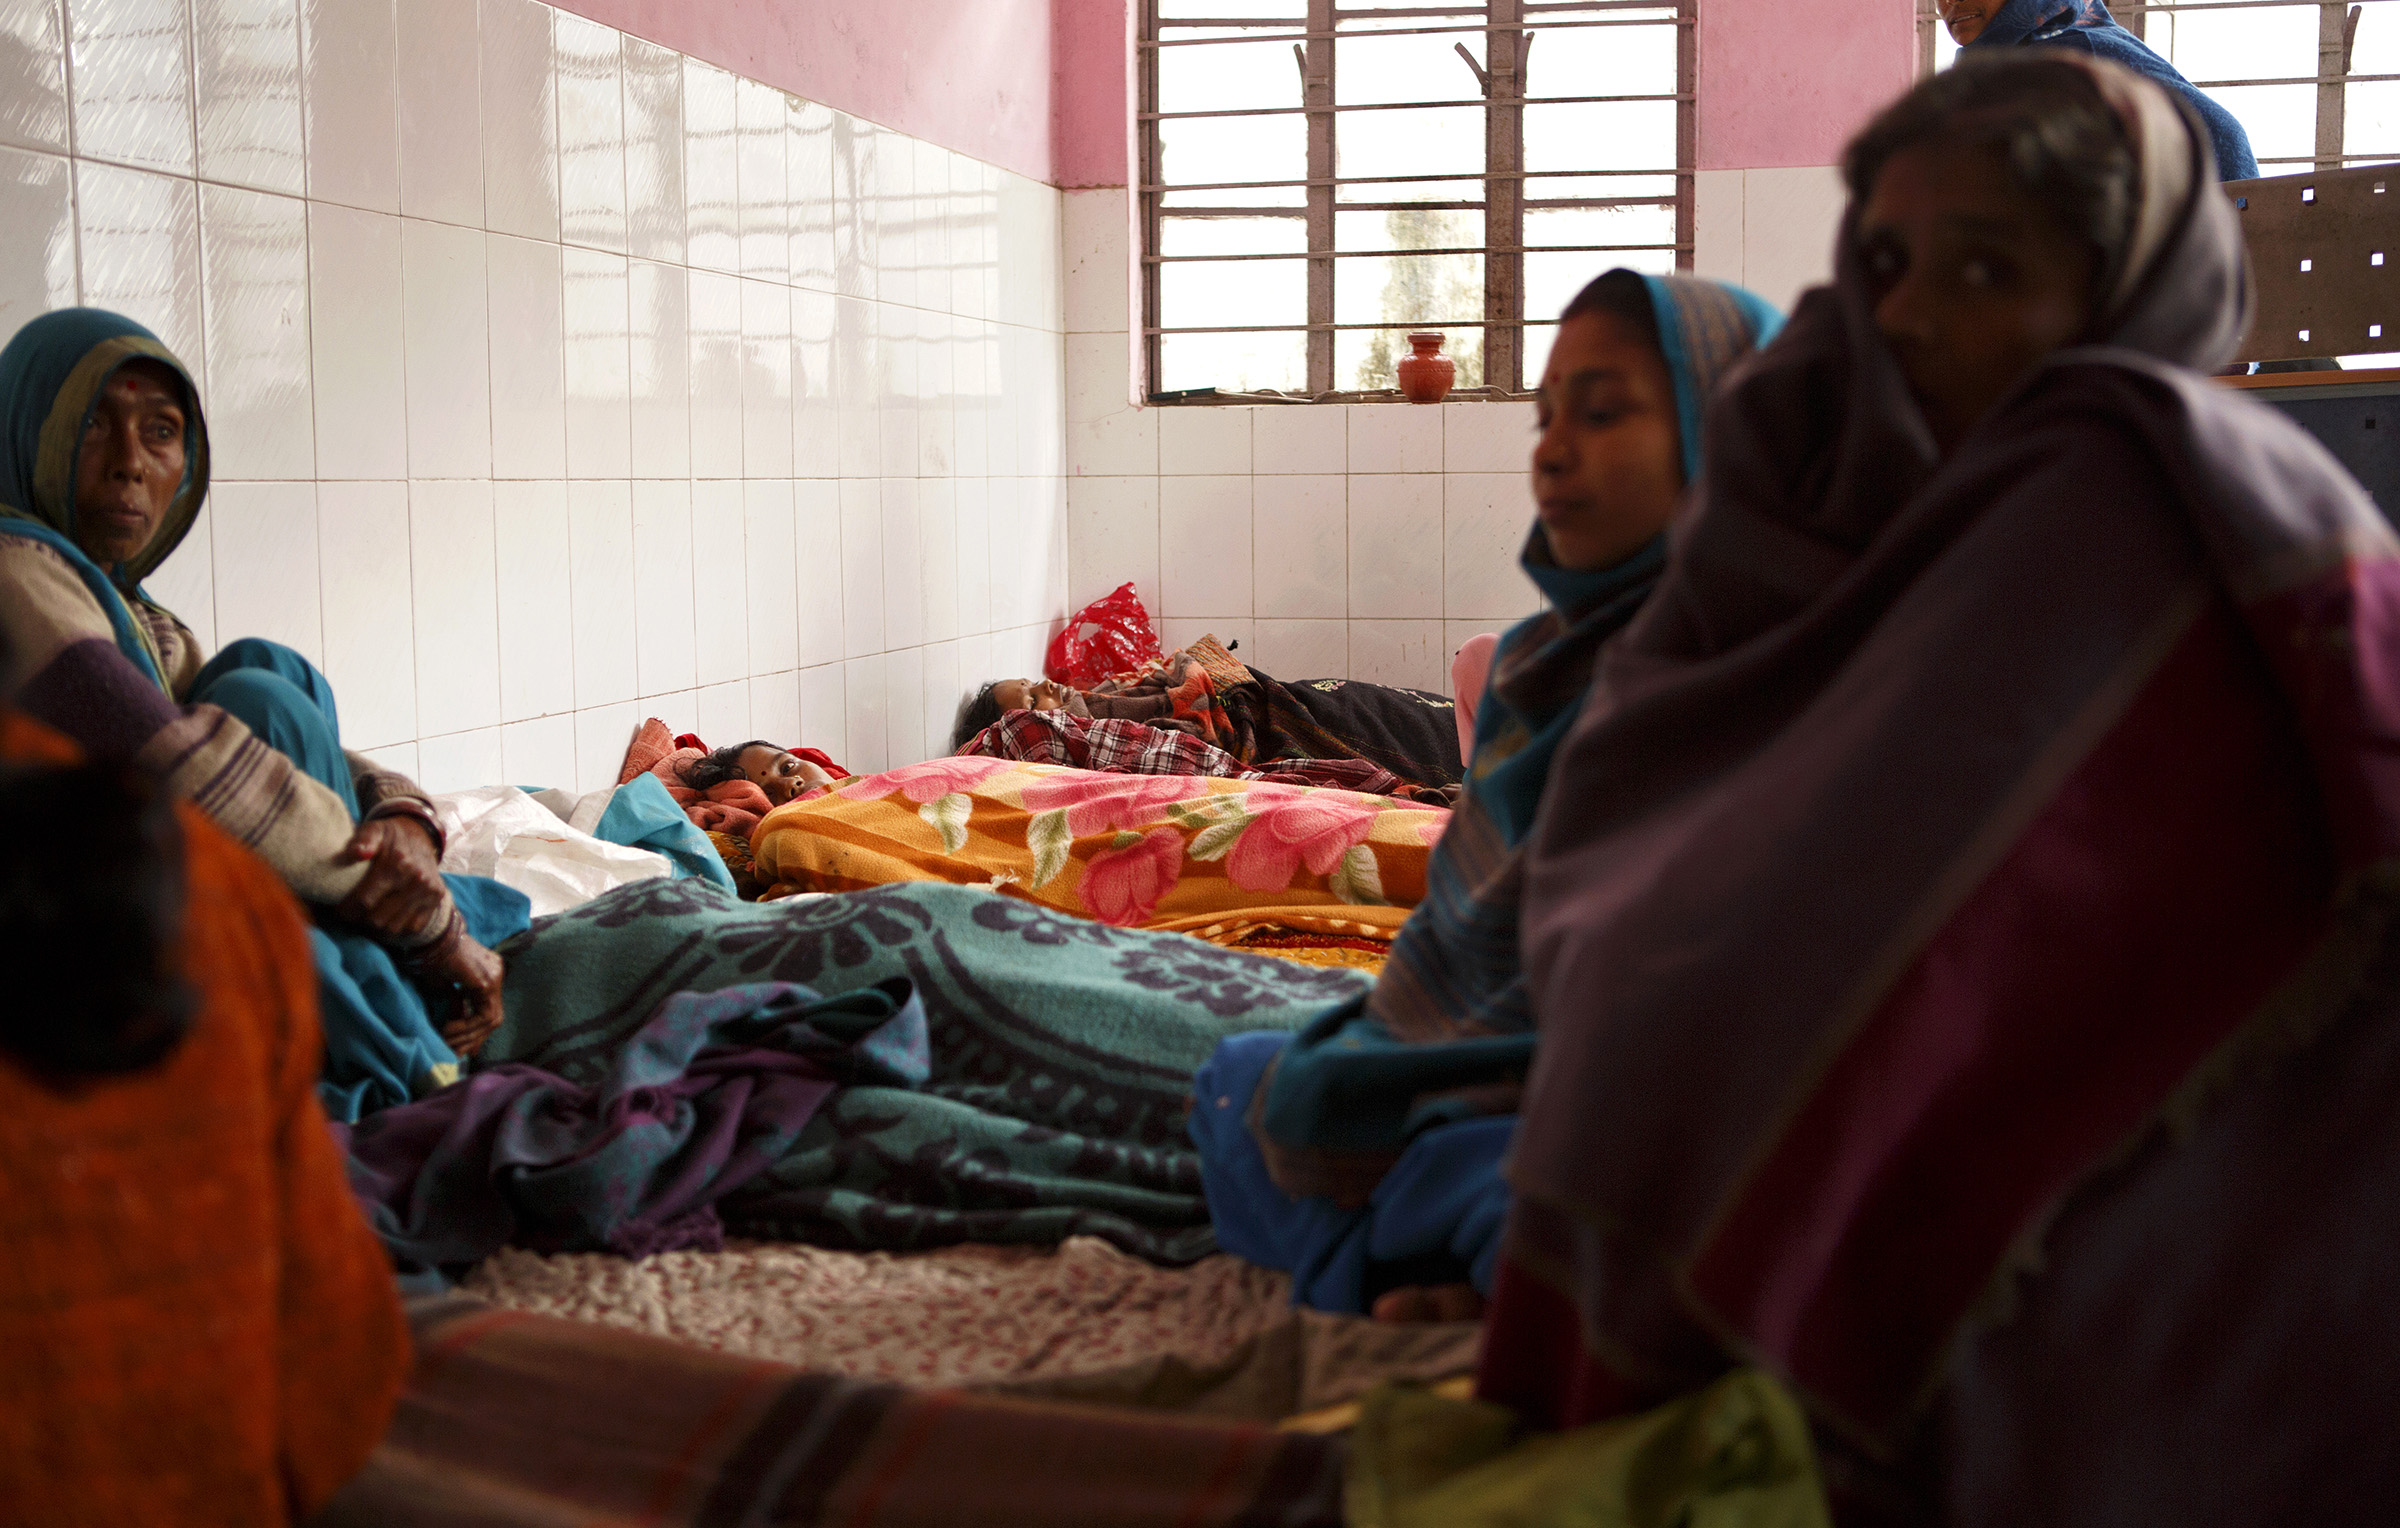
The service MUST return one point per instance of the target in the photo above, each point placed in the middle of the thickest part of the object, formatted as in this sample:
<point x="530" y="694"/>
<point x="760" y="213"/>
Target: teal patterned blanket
<point x="1063" y="1054"/>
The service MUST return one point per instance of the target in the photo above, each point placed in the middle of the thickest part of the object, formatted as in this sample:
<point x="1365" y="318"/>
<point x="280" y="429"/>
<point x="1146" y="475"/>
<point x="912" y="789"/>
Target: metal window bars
<point x="2337" y="41"/>
<point x="1509" y="189"/>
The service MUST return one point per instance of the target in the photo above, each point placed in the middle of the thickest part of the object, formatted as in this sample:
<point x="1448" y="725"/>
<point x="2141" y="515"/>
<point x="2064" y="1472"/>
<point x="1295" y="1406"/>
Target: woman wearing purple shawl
<point x="1963" y="936"/>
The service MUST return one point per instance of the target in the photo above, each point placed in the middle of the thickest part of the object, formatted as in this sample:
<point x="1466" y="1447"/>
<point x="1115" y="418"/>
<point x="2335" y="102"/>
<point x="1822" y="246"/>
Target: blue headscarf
<point x="1544" y="664"/>
<point x="51" y="374"/>
<point x="1420" y="1073"/>
<point x="2087" y="26"/>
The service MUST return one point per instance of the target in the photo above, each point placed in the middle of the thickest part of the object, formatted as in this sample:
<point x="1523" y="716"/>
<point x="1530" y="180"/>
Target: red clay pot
<point x="1426" y="375"/>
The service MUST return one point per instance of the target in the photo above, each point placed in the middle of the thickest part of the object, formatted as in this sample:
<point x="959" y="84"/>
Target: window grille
<point x="1317" y="178"/>
<point x="2315" y="84"/>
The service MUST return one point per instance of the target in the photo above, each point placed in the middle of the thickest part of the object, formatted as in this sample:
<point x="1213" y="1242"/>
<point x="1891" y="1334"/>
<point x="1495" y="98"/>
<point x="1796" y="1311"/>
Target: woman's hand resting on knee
<point x="473" y="973"/>
<point x="401" y="894"/>
<point x="402" y="891"/>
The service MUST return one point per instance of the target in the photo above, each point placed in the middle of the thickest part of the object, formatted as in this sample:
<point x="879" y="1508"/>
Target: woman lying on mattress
<point x="1246" y="719"/>
<point x="103" y="468"/>
<point x="1364" y="1153"/>
<point x="1987" y="1021"/>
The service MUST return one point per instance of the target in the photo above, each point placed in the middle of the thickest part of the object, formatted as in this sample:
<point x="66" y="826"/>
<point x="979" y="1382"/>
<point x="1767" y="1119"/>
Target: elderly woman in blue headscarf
<point x="1363" y="1154"/>
<point x="2086" y="27"/>
<point x="103" y="467"/>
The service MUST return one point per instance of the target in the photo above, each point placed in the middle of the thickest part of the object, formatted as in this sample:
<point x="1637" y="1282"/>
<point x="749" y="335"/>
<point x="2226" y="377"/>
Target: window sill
<point x="1210" y="397"/>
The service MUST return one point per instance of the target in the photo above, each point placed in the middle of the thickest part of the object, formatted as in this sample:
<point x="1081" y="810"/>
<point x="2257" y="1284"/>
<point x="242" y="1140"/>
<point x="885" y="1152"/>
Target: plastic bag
<point x="519" y="840"/>
<point x="1120" y="641"/>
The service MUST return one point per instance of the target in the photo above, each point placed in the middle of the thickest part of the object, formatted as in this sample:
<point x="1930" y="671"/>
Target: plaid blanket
<point x="512" y="1418"/>
<point x="1121" y="746"/>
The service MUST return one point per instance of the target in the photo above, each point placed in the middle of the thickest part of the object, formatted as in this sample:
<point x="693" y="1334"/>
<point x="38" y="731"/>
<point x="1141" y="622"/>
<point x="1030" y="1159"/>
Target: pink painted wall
<point x="1040" y="86"/>
<point x="1786" y="82"/>
<point x="970" y="75"/>
<point x="1090" y="85"/>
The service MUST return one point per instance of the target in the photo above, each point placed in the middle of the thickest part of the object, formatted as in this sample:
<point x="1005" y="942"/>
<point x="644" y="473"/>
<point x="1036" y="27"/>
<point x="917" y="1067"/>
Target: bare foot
<point x="1417" y="1303"/>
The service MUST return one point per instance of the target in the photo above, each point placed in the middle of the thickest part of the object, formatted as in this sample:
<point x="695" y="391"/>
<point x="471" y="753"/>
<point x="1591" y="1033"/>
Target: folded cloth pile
<point x="709" y="1092"/>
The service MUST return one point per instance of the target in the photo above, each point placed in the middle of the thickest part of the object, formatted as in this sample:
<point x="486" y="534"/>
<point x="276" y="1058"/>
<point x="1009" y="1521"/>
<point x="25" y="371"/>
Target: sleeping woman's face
<point x="780" y="774"/>
<point x="1973" y="281"/>
<point x="1038" y="695"/>
<point x="1608" y="464"/>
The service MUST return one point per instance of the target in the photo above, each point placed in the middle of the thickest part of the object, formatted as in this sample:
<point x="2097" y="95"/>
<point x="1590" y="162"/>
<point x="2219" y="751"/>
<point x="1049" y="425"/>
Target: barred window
<point x="1317" y="178"/>
<point x="2315" y="84"/>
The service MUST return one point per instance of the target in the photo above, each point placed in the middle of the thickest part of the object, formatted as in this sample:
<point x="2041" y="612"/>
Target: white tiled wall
<point x="555" y="378"/>
<point x="1363" y="541"/>
<point x="1770" y="230"/>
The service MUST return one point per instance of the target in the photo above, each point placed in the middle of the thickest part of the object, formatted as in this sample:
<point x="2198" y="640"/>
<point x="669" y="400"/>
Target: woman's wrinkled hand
<point x="402" y="891"/>
<point x="474" y="973"/>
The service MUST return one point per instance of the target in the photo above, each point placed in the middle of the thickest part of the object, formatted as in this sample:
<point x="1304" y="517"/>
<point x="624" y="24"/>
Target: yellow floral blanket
<point x="1137" y="851"/>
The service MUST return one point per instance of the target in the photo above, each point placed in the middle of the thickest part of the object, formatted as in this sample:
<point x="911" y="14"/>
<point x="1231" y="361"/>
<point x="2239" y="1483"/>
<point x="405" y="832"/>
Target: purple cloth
<point x="707" y="1094"/>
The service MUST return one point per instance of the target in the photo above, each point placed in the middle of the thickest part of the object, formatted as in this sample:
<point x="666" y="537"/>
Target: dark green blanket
<point x="1063" y="1053"/>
